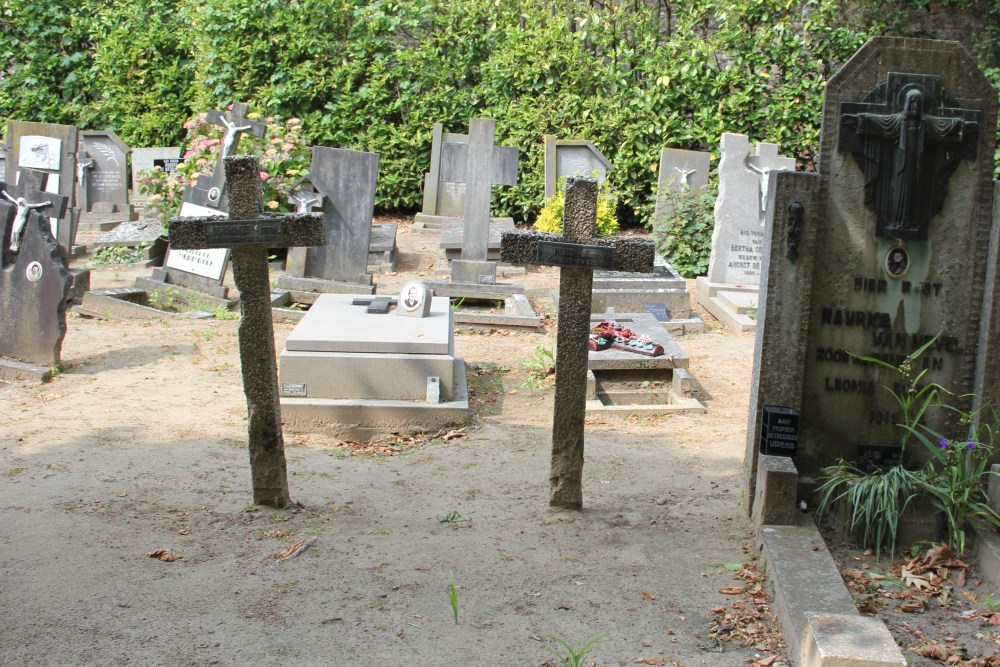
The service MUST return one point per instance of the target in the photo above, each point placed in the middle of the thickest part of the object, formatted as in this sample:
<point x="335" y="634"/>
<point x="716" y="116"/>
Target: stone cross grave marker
<point x="249" y="234"/>
<point x="579" y="252"/>
<point x="853" y="268"/>
<point x="34" y="282"/>
<point x="345" y="190"/>
<point x="209" y="191"/>
<point x="572" y="157"/>
<point x="480" y="165"/>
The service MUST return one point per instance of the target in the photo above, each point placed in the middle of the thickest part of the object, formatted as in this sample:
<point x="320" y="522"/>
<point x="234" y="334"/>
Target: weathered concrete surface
<point x="806" y="581"/>
<point x="777" y="492"/>
<point x="848" y="640"/>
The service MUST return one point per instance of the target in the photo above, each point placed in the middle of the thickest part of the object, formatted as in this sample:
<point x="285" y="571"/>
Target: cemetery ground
<point x="140" y="446"/>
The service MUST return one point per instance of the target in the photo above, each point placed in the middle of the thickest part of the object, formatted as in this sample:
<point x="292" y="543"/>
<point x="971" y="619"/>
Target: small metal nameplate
<point x="574" y="255"/>
<point x="227" y="233"/>
<point x="293" y="389"/>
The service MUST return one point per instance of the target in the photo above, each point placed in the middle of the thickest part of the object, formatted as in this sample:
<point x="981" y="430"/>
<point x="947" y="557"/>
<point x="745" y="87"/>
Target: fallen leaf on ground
<point x="913" y="607"/>
<point x="766" y="662"/>
<point x="647" y="595"/>
<point x="166" y="555"/>
<point x="650" y="661"/>
<point x="732" y="590"/>
<point x="933" y="650"/>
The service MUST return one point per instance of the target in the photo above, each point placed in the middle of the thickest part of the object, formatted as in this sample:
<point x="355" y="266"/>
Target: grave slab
<point x="334" y="325"/>
<point x="347" y="370"/>
<point x="636" y="292"/>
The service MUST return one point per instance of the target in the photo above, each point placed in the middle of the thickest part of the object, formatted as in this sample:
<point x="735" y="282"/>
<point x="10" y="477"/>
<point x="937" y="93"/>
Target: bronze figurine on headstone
<point x="908" y="136"/>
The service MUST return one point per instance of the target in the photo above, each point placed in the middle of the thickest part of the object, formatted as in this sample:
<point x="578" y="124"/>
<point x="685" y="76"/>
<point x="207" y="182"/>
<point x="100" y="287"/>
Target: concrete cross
<point x="249" y="233"/>
<point x="480" y="165"/>
<point x="209" y="191"/>
<point x="30" y="189"/>
<point x="579" y="253"/>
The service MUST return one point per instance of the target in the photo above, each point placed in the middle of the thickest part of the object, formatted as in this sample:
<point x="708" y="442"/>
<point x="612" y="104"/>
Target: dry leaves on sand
<point x="395" y="443"/>
<point x="166" y="555"/>
<point x="748" y="619"/>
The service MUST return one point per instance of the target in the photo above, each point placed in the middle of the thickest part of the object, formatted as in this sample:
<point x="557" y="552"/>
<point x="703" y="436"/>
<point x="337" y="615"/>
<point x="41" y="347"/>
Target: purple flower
<point x="943" y="443"/>
<point x="970" y="444"/>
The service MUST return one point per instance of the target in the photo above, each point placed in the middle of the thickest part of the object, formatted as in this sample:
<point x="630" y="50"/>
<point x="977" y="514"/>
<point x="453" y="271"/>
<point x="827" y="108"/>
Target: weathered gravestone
<point x="344" y="183"/>
<point x="34" y="282"/>
<point x="249" y="234"/>
<point x="892" y="243"/>
<point x="729" y="291"/>
<point x="51" y="149"/>
<point x="442" y="199"/>
<point x="565" y="158"/>
<point x="579" y="252"/>
<point x="144" y="160"/>
<point x="102" y="180"/>
<point x="480" y="165"/>
<point x="680" y="171"/>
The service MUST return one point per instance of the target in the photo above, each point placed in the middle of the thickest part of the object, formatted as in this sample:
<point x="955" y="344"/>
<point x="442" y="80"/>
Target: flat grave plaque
<point x="779" y="431"/>
<point x="574" y="255"/>
<point x="657" y="310"/>
<point x="226" y="233"/>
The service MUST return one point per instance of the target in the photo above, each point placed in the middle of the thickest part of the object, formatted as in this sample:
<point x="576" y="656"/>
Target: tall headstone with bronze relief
<point x="891" y="244"/>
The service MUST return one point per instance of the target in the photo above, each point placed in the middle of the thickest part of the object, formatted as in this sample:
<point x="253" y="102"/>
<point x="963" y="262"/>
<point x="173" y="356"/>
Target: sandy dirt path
<point x="140" y="445"/>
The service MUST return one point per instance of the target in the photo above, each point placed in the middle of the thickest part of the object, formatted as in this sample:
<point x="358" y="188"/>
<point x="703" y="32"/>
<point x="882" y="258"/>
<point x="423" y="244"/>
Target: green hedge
<point x="633" y="77"/>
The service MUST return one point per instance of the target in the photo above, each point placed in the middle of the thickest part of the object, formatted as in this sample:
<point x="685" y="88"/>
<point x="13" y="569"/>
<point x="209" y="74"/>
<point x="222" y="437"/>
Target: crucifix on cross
<point x="249" y="233"/>
<point x="30" y="195"/>
<point x="210" y="190"/>
<point x="579" y="252"/>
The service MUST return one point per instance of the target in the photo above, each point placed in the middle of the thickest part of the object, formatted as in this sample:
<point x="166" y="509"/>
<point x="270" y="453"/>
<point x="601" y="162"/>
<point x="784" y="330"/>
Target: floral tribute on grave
<point x="611" y="334"/>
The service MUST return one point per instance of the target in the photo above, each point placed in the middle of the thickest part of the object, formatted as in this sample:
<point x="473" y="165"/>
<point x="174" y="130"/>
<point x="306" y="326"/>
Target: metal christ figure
<point x="21" y="218"/>
<point x="685" y="181"/>
<point x="81" y="170"/>
<point x="232" y="133"/>
<point x="304" y="201"/>
<point x="907" y="151"/>
<point x="765" y="181"/>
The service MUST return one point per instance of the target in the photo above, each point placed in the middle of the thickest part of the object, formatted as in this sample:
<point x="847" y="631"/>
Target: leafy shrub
<point x="682" y="228"/>
<point x="551" y="217"/>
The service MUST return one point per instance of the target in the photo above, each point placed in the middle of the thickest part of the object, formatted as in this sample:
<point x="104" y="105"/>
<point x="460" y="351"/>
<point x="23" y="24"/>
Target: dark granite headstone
<point x="575" y="281"/>
<point x="345" y="184"/>
<point x="250" y="234"/>
<point x="106" y="181"/>
<point x="848" y="288"/>
<point x="34" y="286"/>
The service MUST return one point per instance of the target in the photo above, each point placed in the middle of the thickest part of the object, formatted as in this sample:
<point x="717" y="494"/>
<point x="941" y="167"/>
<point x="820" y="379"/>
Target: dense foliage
<point x="633" y="76"/>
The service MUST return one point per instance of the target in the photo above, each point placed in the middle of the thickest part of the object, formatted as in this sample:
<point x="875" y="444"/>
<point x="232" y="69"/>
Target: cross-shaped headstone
<point x="27" y="195"/>
<point x="249" y="233"/>
<point x="579" y="253"/>
<point x="480" y="165"/>
<point x="210" y="190"/>
<point x="908" y="136"/>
